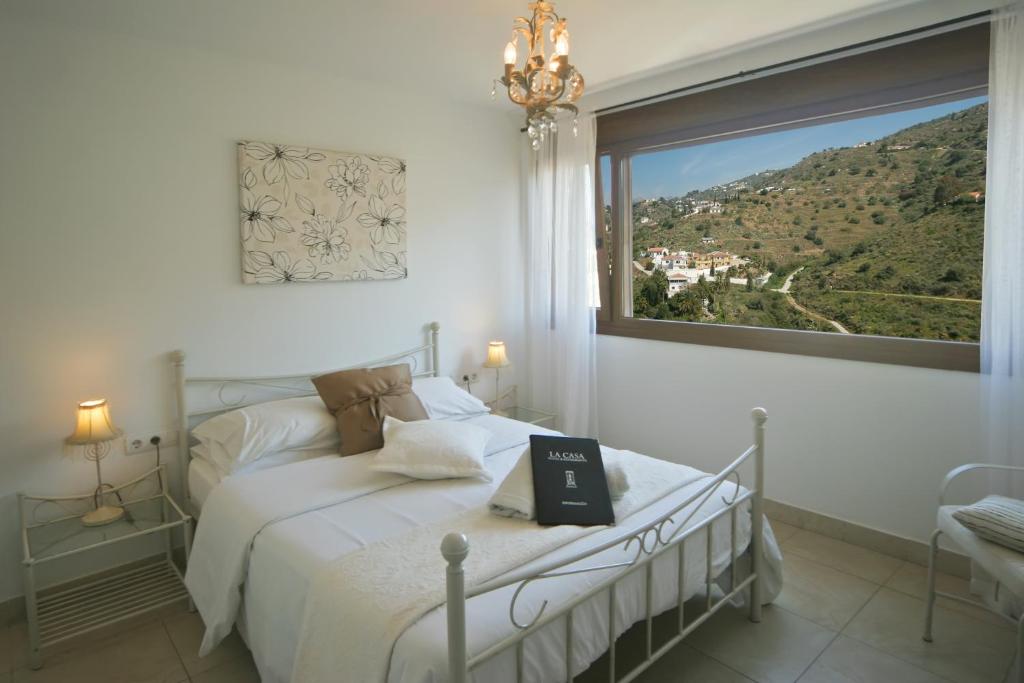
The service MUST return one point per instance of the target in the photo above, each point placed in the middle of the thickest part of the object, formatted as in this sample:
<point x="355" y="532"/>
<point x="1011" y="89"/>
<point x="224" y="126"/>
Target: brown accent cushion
<point x="360" y="399"/>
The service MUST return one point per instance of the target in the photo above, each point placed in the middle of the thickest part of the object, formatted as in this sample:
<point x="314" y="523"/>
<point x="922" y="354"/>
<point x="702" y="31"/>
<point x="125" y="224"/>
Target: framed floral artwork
<point x="313" y="215"/>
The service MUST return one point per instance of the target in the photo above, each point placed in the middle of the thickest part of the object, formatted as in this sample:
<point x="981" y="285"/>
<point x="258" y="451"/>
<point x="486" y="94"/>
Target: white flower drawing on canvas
<point x="309" y="215"/>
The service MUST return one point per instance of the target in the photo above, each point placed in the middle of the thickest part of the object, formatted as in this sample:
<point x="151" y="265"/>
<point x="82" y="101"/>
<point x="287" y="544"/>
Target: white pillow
<point x="444" y="400"/>
<point x="428" y="449"/>
<point x="996" y="518"/>
<point x="238" y="438"/>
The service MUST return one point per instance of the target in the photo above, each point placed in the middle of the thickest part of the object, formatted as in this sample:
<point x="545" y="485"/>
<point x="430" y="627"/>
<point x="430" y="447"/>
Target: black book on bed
<point x="569" y="484"/>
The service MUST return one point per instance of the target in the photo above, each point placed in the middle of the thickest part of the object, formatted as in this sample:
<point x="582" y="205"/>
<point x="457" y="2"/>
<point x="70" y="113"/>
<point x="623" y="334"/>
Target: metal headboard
<point x="200" y="398"/>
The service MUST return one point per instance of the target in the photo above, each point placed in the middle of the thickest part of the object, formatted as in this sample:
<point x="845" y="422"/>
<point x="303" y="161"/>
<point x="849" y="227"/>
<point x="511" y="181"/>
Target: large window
<point x="857" y="229"/>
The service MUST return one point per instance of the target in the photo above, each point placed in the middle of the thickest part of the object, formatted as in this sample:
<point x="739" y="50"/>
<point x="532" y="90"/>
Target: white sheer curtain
<point x="561" y="274"/>
<point x="1002" y="312"/>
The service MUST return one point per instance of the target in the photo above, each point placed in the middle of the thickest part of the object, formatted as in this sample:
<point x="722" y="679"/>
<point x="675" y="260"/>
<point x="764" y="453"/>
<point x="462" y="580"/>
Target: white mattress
<point x="286" y="555"/>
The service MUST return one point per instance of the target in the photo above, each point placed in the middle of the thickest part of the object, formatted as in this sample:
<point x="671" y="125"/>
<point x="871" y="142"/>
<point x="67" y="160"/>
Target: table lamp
<point x="497" y="359"/>
<point x="95" y="431"/>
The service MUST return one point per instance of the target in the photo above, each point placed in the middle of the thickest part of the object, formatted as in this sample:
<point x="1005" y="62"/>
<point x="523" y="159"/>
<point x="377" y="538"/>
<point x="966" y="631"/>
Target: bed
<point x="546" y="618"/>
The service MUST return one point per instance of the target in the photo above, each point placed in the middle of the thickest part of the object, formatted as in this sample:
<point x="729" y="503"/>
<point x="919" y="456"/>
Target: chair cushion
<point x="996" y="518"/>
<point x="1004" y="564"/>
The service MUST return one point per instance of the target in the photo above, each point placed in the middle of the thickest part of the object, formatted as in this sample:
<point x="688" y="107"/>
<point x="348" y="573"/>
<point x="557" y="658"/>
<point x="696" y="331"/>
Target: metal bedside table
<point x="521" y="413"/>
<point x="51" y="530"/>
<point x="534" y="417"/>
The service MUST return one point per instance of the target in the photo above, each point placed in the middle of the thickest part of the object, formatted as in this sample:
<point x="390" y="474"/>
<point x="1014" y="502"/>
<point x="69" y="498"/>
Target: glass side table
<point x="51" y="530"/>
<point x="530" y="415"/>
<point x="521" y="413"/>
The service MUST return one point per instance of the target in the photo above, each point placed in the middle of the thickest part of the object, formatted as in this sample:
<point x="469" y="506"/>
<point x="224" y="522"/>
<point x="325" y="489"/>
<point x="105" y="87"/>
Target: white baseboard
<point x="907" y="549"/>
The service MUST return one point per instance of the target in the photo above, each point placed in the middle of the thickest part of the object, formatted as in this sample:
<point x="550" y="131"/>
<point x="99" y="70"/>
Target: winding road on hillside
<point x="784" y="289"/>
<point x="789" y="281"/>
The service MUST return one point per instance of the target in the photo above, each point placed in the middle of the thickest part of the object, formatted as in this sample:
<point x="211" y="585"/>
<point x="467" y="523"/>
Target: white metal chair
<point x="1004" y="565"/>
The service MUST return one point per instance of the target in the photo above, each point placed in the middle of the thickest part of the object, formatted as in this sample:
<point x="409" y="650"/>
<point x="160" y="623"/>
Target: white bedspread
<point x="396" y="581"/>
<point x="285" y="555"/>
<point x="238" y="509"/>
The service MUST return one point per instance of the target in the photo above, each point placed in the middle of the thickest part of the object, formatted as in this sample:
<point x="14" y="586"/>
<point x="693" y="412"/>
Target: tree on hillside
<point x="686" y="305"/>
<point x="651" y="293"/>
<point x="704" y="289"/>
<point x="946" y="189"/>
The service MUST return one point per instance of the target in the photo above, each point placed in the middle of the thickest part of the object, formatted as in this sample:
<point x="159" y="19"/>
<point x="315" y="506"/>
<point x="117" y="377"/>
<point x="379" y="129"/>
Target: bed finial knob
<point x="760" y="415"/>
<point x="178" y="357"/>
<point x="455" y="547"/>
<point x="435" y="326"/>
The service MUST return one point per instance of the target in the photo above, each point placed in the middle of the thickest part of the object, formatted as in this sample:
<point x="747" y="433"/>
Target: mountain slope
<point x="893" y="216"/>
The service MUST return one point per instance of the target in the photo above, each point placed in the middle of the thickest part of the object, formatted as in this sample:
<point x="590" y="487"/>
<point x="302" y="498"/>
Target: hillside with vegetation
<point x="886" y="236"/>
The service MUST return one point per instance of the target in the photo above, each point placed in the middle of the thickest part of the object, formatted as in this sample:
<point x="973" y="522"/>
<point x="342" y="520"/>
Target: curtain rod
<point x="941" y="27"/>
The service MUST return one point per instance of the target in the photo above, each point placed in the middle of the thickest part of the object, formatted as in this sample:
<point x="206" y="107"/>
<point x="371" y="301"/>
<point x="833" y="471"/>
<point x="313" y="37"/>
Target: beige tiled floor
<point x="846" y="614"/>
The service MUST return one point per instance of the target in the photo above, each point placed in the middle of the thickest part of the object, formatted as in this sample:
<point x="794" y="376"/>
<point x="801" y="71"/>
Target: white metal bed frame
<point x="650" y="544"/>
<point x="652" y="540"/>
<point x="423" y="360"/>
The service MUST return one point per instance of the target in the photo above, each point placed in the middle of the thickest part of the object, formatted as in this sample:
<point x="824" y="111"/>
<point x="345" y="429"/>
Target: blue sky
<point x="675" y="172"/>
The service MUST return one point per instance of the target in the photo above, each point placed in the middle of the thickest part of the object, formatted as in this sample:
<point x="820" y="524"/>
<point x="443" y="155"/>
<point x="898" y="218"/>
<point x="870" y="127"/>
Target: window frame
<point x="615" y="317"/>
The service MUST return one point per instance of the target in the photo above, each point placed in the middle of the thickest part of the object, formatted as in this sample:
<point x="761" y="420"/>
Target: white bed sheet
<point x="286" y="555"/>
<point x="202" y="478"/>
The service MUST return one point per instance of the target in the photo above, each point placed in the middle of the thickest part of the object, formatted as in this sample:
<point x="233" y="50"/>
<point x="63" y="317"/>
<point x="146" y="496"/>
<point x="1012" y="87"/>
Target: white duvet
<point x="263" y="538"/>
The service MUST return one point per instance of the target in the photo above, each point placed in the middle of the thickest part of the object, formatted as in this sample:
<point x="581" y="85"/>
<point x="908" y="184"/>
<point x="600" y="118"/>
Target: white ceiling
<point x="447" y="47"/>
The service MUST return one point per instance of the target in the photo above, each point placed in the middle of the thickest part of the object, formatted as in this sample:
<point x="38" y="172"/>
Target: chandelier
<point x="545" y="87"/>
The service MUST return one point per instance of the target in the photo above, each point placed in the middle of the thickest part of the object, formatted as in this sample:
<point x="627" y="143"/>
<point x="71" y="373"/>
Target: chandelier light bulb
<point x="510" y="53"/>
<point x="562" y="44"/>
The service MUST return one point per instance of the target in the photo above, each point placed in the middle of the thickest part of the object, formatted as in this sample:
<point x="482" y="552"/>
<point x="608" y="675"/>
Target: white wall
<point x="119" y="224"/>
<point x="863" y="442"/>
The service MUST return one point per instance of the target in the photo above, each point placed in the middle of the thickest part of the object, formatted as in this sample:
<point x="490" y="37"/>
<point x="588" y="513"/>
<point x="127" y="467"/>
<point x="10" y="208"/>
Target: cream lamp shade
<point x="94" y="424"/>
<point x="94" y="430"/>
<point x="496" y="356"/>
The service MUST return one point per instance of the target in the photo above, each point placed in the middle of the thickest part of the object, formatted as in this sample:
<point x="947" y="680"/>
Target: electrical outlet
<point x="144" y="444"/>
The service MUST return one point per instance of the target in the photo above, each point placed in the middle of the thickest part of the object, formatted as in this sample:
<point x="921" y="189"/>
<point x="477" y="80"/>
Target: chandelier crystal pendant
<point x="546" y="84"/>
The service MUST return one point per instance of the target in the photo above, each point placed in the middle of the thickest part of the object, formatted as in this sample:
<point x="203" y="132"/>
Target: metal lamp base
<point x="105" y="514"/>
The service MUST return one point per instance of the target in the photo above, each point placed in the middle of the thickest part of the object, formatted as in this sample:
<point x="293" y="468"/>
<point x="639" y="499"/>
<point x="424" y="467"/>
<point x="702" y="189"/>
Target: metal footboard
<point x="650" y="541"/>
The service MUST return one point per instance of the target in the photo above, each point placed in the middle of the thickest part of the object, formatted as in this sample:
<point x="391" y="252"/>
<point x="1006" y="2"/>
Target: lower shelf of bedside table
<point x="86" y="607"/>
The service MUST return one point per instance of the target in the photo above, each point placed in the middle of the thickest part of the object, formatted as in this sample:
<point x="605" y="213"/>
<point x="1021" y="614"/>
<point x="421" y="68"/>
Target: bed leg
<point x="929" y="610"/>
<point x="455" y="548"/>
<point x="760" y="416"/>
